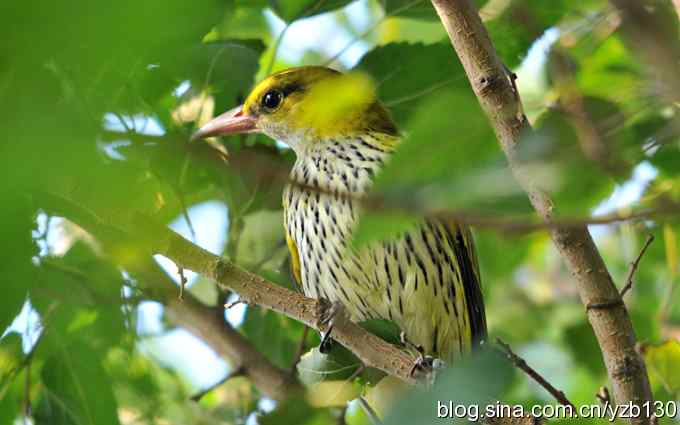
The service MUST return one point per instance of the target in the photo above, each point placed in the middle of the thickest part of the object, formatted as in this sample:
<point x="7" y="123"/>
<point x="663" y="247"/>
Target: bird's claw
<point x="426" y="367"/>
<point x="328" y="314"/>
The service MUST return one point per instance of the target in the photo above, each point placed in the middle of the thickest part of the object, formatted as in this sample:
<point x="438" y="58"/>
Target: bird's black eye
<point x="272" y="99"/>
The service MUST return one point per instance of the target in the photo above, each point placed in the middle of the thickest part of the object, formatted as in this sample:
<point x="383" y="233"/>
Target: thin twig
<point x="521" y="364"/>
<point x="369" y="30"/>
<point x="257" y="267"/>
<point x="228" y="306"/>
<point x="508" y="223"/>
<point x="341" y="416"/>
<point x="182" y="282"/>
<point x="372" y="415"/>
<point x="277" y="44"/>
<point x="183" y="206"/>
<point x="634" y="266"/>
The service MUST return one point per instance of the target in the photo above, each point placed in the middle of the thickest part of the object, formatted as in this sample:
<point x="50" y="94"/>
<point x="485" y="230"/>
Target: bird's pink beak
<point x="233" y="121"/>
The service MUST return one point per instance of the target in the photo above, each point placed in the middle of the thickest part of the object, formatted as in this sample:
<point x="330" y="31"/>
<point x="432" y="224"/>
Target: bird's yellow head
<point x="301" y="106"/>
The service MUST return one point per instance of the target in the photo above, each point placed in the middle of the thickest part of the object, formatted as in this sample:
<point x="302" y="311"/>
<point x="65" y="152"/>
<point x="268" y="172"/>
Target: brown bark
<point x="202" y="321"/>
<point x="497" y="94"/>
<point x="252" y="289"/>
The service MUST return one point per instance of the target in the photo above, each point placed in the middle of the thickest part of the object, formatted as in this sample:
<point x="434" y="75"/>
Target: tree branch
<point x="370" y="349"/>
<point x="521" y="364"/>
<point x="188" y="313"/>
<point x="201" y="321"/>
<point x="634" y="266"/>
<point x="500" y="100"/>
<point x="157" y="239"/>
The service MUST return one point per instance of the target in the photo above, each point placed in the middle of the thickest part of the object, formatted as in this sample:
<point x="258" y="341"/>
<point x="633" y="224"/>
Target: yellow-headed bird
<point x="426" y="280"/>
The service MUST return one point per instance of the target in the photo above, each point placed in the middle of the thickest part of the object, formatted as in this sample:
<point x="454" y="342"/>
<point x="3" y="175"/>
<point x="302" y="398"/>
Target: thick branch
<point x="370" y="349"/>
<point x="498" y="96"/>
<point x="202" y="321"/>
<point x="189" y="313"/>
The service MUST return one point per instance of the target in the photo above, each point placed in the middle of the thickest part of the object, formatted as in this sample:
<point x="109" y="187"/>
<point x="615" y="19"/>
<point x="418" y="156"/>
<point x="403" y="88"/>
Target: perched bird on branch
<point x="427" y="279"/>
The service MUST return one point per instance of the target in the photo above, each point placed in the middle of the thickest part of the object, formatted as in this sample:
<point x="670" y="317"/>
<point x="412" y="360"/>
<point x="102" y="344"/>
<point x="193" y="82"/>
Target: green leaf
<point x="402" y="90"/>
<point x="315" y="367"/>
<point x="500" y="255"/>
<point x="415" y="9"/>
<point x="472" y="381"/>
<point x="521" y="23"/>
<point x="439" y="145"/>
<point x="11" y="356"/>
<point x="227" y="67"/>
<point x="664" y="364"/>
<point x="340" y="363"/>
<point x="79" y="389"/>
<point x="88" y="39"/>
<point x="290" y="10"/>
<point x="11" y="384"/>
<point x="375" y="226"/>
<point x="444" y="162"/>
<point x="584" y="347"/>
<point x="16" y="251"/>
<point x="274" y="335"/>
<point x="81" y="295"/>
<point x="385" y="329"/>
<point x="610" y="64"/>
<point x="296" y="410"/>
<point x="244" y="21"/>
<point x="261" y="234"/>
<point x="552" y="150"/>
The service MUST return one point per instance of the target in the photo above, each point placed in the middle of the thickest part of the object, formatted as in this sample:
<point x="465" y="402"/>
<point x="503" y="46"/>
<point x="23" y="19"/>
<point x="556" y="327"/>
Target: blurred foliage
<point x="100" y="99"/>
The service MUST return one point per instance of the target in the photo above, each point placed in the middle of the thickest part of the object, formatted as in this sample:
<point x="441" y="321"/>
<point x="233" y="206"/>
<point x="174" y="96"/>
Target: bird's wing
<point x="466" y="259"/>
<point x="294" y="259"/>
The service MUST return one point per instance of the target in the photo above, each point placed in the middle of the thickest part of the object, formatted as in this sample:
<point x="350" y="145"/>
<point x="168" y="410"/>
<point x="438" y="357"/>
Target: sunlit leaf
<point x="664" y="364"/>
<point x="670" y="240"/>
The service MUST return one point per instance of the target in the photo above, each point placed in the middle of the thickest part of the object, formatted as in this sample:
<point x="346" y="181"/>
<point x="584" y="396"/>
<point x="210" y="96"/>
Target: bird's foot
<point x="426" y="367"/>
<point x="328" y="315"/>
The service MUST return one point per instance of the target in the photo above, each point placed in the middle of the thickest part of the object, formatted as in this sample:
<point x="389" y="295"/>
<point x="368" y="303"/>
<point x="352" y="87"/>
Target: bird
<point x="426" y="280"/>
